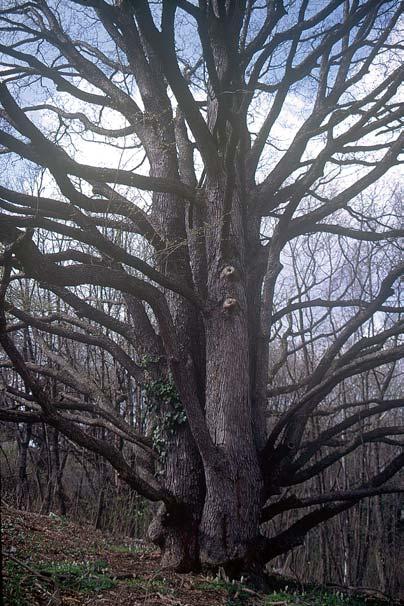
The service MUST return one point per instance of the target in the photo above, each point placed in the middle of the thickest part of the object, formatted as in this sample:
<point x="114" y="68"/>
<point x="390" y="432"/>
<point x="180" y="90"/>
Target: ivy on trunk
<point x="228" y="226"/>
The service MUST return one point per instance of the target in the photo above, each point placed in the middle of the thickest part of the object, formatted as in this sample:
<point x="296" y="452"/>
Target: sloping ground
<point x="76" y="564"/>
<point x="48" y="560"/>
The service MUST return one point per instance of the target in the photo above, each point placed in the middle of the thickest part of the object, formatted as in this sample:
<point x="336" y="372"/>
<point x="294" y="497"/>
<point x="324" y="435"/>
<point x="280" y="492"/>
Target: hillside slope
<point x="50" y="560"/>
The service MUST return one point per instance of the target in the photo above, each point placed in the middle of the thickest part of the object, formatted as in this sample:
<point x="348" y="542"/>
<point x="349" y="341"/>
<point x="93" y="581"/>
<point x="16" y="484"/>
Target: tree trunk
<point x="233" y="490"/>
<point x="221" y="526"/>
<point x="176" y="531"/>
<point x="231" y="511"/>
<point x="23" y="496"/>
<point x="58" y="474"/>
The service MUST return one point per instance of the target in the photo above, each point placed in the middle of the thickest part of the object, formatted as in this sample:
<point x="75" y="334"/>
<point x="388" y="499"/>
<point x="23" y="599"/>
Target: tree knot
<point x="228" y="272"/>
<point x="229" y="303"/>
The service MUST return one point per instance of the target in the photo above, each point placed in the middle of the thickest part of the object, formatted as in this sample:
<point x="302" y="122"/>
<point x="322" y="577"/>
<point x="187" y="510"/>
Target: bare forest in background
<point x="201" y="310"/>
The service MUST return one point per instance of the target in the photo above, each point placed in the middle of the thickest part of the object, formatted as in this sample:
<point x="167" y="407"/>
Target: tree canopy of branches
<point x="189" y="190"/>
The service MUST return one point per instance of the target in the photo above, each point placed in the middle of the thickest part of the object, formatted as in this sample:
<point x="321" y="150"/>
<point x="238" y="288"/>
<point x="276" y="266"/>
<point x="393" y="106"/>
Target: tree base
<point x="177" y="536"/>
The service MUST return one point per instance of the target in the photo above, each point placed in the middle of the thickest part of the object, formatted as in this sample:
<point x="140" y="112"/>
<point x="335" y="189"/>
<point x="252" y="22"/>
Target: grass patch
<point x="237" y="593"/>
<point x="22" y="583"/>
<point x="85" y="577"/>
<point x="313" y="598"/>
<point x="155" y="584"/>
<point x="128" y="549"/>
<point x="15" y="590"/>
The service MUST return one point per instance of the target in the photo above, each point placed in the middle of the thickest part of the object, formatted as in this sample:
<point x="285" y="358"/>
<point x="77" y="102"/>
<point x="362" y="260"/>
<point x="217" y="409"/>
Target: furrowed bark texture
<point x="175" y="529"/>
<point x="248" y="302"/>
<point x="233" y="488"/>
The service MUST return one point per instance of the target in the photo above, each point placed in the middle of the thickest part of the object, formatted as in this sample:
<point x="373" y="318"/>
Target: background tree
<point x="203" y="165"/>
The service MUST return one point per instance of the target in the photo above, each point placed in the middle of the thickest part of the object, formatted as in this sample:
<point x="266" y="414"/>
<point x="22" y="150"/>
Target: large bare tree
<point x="176" y="155"/>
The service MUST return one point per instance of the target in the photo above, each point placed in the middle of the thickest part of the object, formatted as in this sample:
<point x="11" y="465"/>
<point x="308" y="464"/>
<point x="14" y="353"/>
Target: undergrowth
<point x="23" y="582"/>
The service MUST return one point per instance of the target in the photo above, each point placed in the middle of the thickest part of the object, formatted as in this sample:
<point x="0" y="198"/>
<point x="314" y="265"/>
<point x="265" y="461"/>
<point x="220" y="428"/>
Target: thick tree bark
<point x="221" y="526"/>
<point x="233" y="487"/>
<point x="176" y="530"/>
<point x="233" y="490"/>
<point x="227" y="202"/>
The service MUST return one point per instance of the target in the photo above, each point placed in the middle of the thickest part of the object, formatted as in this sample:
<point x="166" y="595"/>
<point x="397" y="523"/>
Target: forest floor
<point x="48" y="560"/>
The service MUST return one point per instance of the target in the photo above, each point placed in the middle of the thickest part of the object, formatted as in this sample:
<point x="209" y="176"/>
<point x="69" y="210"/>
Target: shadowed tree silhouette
<point x="179" y="156"/>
